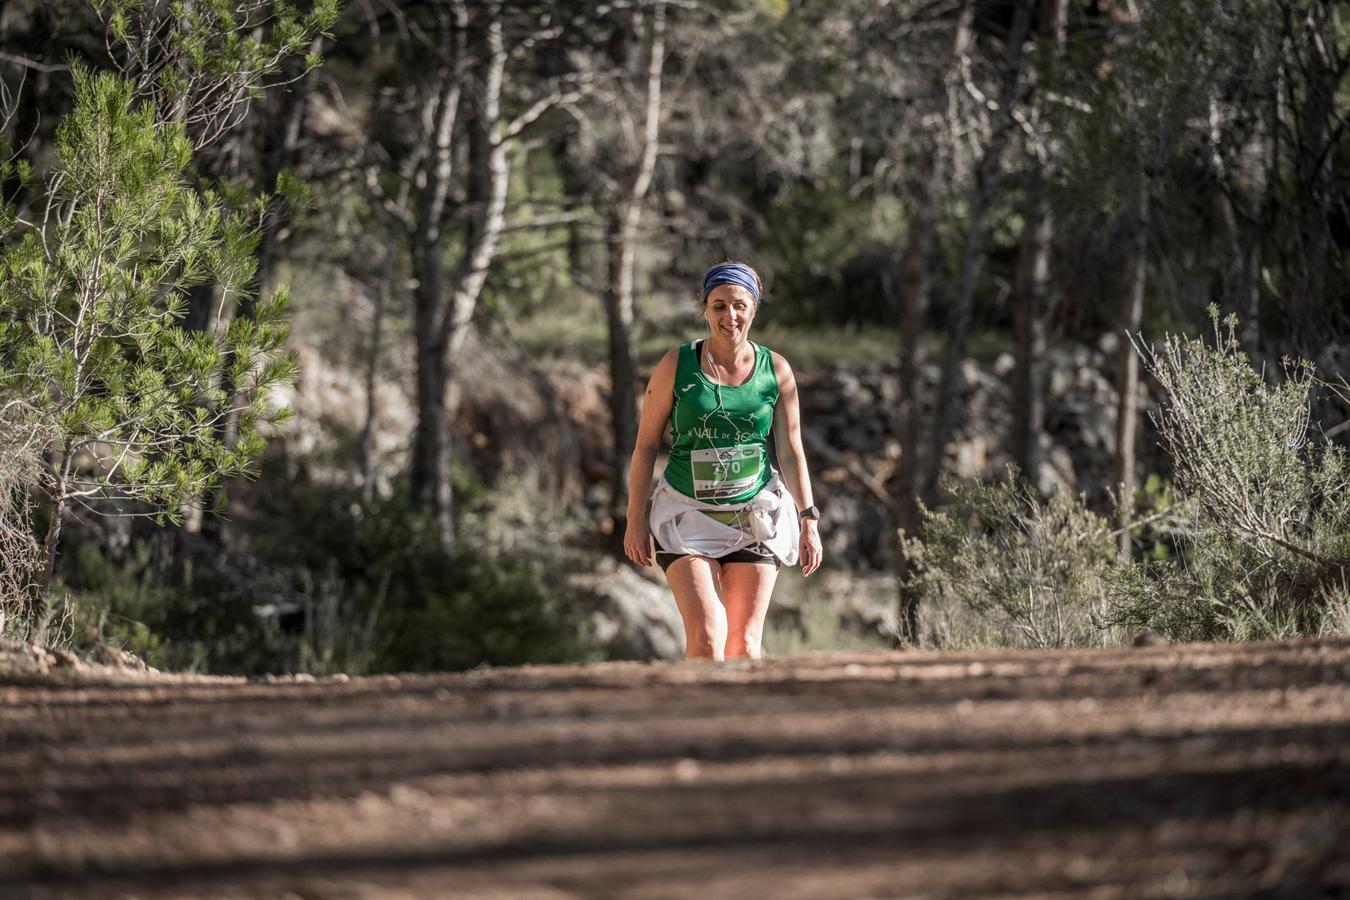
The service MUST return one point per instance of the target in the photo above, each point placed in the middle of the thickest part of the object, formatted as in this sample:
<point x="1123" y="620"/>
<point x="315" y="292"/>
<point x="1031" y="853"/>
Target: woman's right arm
<point x="656" y="406"/>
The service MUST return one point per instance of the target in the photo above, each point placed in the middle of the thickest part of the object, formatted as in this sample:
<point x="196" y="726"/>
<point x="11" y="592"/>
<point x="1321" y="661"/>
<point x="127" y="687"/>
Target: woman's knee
<point x="705" y="638"/>
<point x="744" y="643"/>
<point x="704" y="648"/>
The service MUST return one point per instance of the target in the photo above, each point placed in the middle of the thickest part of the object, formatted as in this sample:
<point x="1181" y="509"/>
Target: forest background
<point x="1101" y="241"/>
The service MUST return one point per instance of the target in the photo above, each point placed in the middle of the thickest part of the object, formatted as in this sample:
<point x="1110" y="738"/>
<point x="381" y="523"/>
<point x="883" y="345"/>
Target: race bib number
<point x="726" y="471"/>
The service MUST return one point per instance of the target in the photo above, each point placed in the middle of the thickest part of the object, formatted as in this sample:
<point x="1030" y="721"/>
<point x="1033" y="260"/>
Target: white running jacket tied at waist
<point x="679" y="525"/>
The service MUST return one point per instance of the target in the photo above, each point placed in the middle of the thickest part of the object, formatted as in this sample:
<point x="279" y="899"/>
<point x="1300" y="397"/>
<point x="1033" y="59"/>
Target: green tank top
<point x="720" y="447"/>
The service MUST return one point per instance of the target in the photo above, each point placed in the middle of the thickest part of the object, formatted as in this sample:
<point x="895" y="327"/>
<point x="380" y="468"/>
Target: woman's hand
<point x="808" y="546"/>
<point x="637" y="542"/>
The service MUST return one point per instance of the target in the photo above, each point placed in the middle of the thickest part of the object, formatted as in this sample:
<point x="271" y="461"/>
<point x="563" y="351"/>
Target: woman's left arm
<point x="787" y="429"/>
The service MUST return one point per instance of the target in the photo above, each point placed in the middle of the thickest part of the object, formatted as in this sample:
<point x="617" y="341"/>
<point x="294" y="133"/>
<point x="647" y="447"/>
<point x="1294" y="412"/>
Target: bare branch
<point x="558" y="98"/>
<point x="33" y="64"/>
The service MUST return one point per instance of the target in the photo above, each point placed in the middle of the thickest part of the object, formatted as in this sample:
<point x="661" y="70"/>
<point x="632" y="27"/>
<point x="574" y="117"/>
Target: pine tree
<point x="107" y="401"/>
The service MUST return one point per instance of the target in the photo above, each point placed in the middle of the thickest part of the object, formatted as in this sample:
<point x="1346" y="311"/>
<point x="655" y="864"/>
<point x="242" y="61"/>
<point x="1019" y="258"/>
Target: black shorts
<point x="755" y="553"/>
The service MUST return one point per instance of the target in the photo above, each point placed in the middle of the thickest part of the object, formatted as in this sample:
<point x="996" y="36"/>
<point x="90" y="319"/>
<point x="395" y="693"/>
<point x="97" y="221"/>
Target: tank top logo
<point x="719" y="452"/>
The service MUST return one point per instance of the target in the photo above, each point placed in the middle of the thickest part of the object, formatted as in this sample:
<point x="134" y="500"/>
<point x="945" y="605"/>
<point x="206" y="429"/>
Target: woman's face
<point x="729" y="310"/>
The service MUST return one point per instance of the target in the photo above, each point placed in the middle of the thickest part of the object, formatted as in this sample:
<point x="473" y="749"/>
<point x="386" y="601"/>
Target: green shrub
<point x="428" y="610"/>
<point x="181" y="612"/>
<point x="356" y="589"/>
<point x="1013" y="571"/>
<point x="466" y="610"/>
<point x="1253" y="541"/>
<point x="1265" y="541"/>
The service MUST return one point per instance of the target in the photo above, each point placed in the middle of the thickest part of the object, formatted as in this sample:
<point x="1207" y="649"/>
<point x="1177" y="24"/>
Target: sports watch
<point x="811" y="512"/>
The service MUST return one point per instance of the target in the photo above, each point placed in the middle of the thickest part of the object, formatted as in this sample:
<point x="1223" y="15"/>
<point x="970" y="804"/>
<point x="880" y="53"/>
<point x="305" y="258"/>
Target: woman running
<point x="722" y="519"/>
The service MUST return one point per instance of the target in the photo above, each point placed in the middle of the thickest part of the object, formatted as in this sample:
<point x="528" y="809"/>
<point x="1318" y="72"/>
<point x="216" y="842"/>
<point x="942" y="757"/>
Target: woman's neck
<point x="725" y="352"/>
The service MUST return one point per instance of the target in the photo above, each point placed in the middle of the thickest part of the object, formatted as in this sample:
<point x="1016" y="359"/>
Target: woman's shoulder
<point x="671" y="356"/>
<point x="781" y="368"/>
<point x="665" y="369"/>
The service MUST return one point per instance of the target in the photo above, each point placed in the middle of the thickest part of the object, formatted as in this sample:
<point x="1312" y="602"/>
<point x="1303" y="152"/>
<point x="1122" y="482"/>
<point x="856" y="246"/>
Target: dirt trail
<point x="1200" y="770"/>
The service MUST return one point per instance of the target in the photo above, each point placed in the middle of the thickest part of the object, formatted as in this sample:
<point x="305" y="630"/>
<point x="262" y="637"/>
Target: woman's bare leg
<point x="694" y="581"/>
<point x="746" y="589"/>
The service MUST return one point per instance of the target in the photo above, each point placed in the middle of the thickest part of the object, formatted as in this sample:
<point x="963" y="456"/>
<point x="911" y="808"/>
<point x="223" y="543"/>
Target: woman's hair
<point x="703" y="290"/>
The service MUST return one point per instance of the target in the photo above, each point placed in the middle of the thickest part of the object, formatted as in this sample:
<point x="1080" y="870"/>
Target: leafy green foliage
<point x="822" y="243"/>
<point x="437" y="610"/>
<point x="111" y="401"/>
<point x="91" y="310"/>
<point x="361" y="589"/>
<point x="201" y="63"/>
<point x="211" y="614"/>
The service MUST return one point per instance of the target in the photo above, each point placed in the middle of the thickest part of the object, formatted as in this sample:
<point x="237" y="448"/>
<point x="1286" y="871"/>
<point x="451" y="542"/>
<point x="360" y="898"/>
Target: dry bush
<point x="21" y="437"/>
<point x="1013" y="570"/>
<point x="1265" y="551"/>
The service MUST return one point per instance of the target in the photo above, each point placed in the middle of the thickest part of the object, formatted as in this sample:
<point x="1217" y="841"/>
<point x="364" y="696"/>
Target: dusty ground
<point x="1164" y="771"/>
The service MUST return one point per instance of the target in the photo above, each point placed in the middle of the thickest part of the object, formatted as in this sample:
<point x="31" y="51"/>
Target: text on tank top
<point x="719" y="452"/>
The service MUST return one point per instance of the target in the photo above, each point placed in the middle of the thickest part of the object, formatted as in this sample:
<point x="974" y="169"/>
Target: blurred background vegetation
<point x="976" y="220"/>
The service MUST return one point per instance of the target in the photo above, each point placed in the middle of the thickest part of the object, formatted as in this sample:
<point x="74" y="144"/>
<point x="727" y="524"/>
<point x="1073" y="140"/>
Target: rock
<point x="1060" y="381"/>
<point x="857" y="533"/>
<point x="887" y="390"/>
<point x="64" y="659"/>
<point x="971" y="457"/>
<point x="103" y="661"/>
<point x="1057" y="471"/>
<point x="1149" y="638"/>
<point x="633" y="618"/>
<point x="972" y="375"/>
<point x="119" y="658"/>
<point x="862" y="607"/>
<point x="1333" y="362"/>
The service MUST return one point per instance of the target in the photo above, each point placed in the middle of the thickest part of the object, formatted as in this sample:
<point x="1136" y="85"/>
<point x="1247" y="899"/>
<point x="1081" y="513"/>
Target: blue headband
<point x="731" y="273"/>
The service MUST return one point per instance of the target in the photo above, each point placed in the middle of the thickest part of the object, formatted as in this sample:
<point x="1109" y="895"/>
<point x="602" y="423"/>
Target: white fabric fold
<point x="679" y="524"/>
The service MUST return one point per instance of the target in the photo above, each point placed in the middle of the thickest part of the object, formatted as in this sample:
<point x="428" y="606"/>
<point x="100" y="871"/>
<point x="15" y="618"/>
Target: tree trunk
<point x="912" y="301"/>
<point x="618" y="297"/>
<point x="365" y="449"/>
<point x="987" y="180"/>
<point x="429" y="469"/>
<point x="1270" y="221"/>
<point x="490" y="179"/>
<point x="53" y="537"/>
<point x="1030" y="327"/>
<point x="48" y="568"/>
<point x="276" y="157"/>
<point x="430" y="466"/>
<point x="443" y="325"/>
<point x="201" y="513"/>
<point x="1127" y="374"/>
<point x="201" y="303"/>
<point x="1241" y="290"/>
<point x="432" y="490"/>
<point x="621" y="243"/>
<point x="1031" y="312"/>
<point x="1313" y="161"/>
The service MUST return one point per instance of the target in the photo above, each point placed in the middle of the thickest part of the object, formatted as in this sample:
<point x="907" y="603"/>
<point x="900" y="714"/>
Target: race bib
<point x="724" y="472"/>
